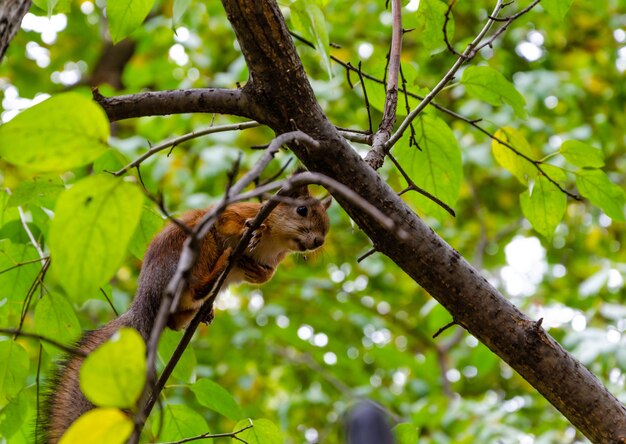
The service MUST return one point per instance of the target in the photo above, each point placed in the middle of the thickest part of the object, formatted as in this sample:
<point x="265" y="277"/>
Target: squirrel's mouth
<point x="314" y="244"/>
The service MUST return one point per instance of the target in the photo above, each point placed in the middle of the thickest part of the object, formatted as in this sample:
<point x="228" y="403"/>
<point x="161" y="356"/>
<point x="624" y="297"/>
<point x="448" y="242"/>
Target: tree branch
<point x="161" y="103"/>
<point x="11" y="14"/>
<point x="67" y="349"/>
<point x="376" y="156"/>
<point x="468" y="54"/>
<point x="210" y="435"/>
<point x="185" y="137"/>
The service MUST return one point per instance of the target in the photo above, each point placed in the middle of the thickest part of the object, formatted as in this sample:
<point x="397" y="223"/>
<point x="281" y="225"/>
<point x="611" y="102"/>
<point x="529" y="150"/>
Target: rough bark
<point x="280" y="89"/>
<point x="160" y="103"/>
<point x="11" y="14"/>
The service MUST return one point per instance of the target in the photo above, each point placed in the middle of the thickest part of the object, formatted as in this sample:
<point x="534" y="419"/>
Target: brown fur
<point x="282" y="232"/>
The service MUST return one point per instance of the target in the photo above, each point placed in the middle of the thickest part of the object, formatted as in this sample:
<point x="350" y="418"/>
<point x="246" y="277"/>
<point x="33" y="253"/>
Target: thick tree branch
<point x="282" y="91"/>
<point x="11" y="14"/>
<point x="161" y="103"/>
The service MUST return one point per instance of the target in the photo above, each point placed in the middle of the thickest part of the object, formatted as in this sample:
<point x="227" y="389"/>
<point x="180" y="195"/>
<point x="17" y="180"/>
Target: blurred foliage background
<point x="328" y="331"/>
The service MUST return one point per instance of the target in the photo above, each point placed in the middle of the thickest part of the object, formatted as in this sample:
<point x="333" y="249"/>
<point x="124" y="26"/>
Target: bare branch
<point x="161" y="103"/>
<point x="180" y="139"/>
<point x="445" y="29"/>
<point x="210" y="435"/>
<point x="33" y="241"/>
<point x="376" y="155"/>
<point x="367" y="102"/>
<point x="11" y="14"/>
<point x="412" y="186"/>
<point x="365" y="255"/>
<point x="21" y="264"/>
<point x="444" y="328"/>
<point x="67" y="349"/>
<point x="468" y="54"/>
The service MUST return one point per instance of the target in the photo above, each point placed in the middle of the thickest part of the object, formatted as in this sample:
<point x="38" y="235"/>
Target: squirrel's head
<point x="303" y="222"/>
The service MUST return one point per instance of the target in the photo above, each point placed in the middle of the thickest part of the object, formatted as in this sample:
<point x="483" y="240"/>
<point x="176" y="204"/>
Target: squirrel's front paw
<point x="257" y="235"/>
<point x="209" y="317"/>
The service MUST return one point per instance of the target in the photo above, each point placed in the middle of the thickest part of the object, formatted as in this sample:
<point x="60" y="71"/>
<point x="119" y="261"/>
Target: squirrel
<point x="290" y="227"/>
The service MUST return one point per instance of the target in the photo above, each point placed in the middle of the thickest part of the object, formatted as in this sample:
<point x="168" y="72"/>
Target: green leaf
<point x="125" y="16"/>
<point x="263" y="431"/>
<point x="179" y="422"/>
<point x="557" y="8"/>
<point x="13" y="370"/>
<point x="43" y="193"/>
<point x="51" y="6"/>
<point x="214" y="396"/>
<point x="16" y="279"/>
<point x="485" y="83"/>
<point x="13" y="415"/>
<point x="405" y="433"/>
<point x="185" y="370"/>
<point x="99" y="426"/>
<point x="150" y="223"/>
<point x="429" y="27"/>
<point x="64" y="132"/>
<point x="111" y="160"/>
<point x="544" y="204"/>
<point x="437" y="168"/>
<point x="596" y="186"/>
<point x="307" y="17"/>
<point x="520" y="167"/>
<point x="581" y="154"/>
<point x="113" y="375"/>
<point x="178" y="9"/>
<point x="90" y="232"/>
<point x="55" y="318"/>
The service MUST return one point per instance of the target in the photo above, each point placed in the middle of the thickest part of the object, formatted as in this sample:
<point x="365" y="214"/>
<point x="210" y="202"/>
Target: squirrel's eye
<point x="302" y="211"/>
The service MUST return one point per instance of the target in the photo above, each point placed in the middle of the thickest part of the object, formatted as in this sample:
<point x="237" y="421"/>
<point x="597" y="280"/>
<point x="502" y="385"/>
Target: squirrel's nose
<point x="318" y="241"/>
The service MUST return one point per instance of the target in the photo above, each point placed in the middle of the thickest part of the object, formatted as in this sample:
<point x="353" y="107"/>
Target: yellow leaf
<point x="99" y="426"/>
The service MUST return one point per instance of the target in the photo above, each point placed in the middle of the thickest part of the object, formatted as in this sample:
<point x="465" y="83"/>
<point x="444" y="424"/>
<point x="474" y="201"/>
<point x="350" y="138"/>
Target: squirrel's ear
<point x="302" y="191"/>
<point x="326" y="202"/>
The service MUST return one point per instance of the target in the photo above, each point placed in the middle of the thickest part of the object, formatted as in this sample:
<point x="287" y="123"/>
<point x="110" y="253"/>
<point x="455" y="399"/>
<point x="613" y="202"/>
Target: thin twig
<point x="472" y="122"/>
<point x="31" y="291"/>
<point x="367" y="103"/>
<point x="334" y="187"/>
<point x="33" y="241"/>
<point x="412" y="186"/>
<point x="365" y="255"/>
<point x="210" y="435"/>
<point x="275" y="176"/>
<point x="106" y="296"/>
<point x="185" y="137"/>
<point x="21" y="264"/>
<point x="468" y="54"/>
<point x="444" y="328"/>
<point x="376" y="156"/>
<point x="508" y="21"/>
<point x="445" y="29"/>
<point x="18" y="332"/>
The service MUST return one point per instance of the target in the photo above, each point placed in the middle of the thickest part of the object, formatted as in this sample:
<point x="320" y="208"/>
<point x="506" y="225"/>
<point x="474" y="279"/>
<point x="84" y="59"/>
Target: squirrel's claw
<point x="257" y="235"/>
